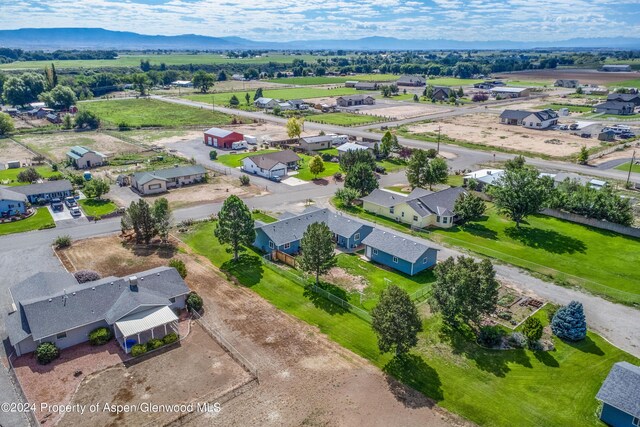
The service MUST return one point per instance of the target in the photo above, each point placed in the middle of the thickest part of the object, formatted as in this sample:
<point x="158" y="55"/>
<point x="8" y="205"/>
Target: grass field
<point x="41" y="220"/>
<point x="345" y="119"/>
<point x="626" y="83"/>
<point x="321" y="80"/>
<point x="572" y="108"/>
<point x="530" y="83"/>
<point x="153" y="113"/>
<point x="452" y="81"/>
<point x="223" y="98"/>
<point x="261" y="216"/>
<point x="490" y="388"/>
<point x="168" y="59"/>
<point x="10" y="176"/>
<point x="625" y="167"/>
<point x="97" y="207"/>
<point x="619" y="117"/>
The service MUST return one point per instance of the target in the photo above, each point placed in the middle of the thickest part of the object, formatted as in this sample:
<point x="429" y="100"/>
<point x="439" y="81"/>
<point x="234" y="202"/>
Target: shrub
<point x="83" y="276"/>
<point x="213" y="154"/>
<point x="194" y="302"/>
<point x="138" y="350"/>
<point x="244" y="180"/>
<point x="154" y="343"/>
<point x="505" y="315"/>
<point x="179" y="265"/>
<point x="46" y="353"/>
<point x="28" y="175"/>
<point x="100" y="336"/>
<point x="551" y="310"/>
<point x="569" y="322"/>
<point x="326" y="157"/>
<point x="517" y="340"/>
<point x="432" y="153"/>
<point x="170" y="338"/>
<point x="62" y="241"/>
<point x="532" y="329"/>
<point x="337" y="176"/>
<point x="490" y="336"/>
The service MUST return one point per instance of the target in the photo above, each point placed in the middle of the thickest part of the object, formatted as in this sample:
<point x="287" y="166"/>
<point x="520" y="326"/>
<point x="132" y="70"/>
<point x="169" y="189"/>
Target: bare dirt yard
<point x="55" y="145"/>
<point x="305" y="379"/>
<point x="11" y="150"/>
<point x="583" y="75"/>
<point x="401" y="111"/>
<point x="485" y="129"/>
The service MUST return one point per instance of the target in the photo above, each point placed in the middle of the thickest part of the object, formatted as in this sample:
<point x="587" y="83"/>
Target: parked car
<point x="563" y="127"/>
<point x="275" y="179"/>
<point x="75" y="211"/>
<point x="627" y="135"/>
<point x="70" y="202"/>
<point x="573" y="126"/>
<point x="56" y="205"/>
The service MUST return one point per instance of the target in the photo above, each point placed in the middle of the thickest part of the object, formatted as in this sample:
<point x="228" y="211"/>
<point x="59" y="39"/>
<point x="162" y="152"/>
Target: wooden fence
<point x="283" y="257"/>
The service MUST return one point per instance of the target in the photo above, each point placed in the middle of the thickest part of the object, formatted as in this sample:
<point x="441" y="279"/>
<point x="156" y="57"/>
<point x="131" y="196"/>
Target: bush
<point x="179" y="265"/>
<point x="569" y="322"/>
<point x="490" y="336"/>
<point x="83" y="276"/>
<point x="194" y="302"/>
<point x="170" y="338"/>
<point x="213" y="154"/>
<point x="505" y="315"/>
<point x="517" y="340"/>
<point x="532" y="329"/>
<point x="337" y="176"/>
<point x="432" y="153"/>
<point x="62" y="241"/>
<point x="100" y="336"/>
<point x="46" y="353"/>
<point x="244" y="180"/>
<point x="154" y="343"/>
<point x="326" y="157"/>
<point x="138" y="350"/>
<point x="551" y="310"/>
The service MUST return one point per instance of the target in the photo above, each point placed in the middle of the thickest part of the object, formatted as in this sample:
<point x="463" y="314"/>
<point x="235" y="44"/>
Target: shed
<point x="620" y="396"/>
<point x="221" y="138"/>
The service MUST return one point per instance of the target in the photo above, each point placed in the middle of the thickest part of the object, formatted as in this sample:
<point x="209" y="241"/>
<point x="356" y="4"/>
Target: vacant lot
<point x="407" y="110"/>
<point x="345" y="119"/>
<point x="10" y="151"/>
<point x="153" y="113"/>
<point x="590" y="76"/>
<point x="485" y="129"/>
<point x="55" y="146"/>
<point x="222" y="98"/>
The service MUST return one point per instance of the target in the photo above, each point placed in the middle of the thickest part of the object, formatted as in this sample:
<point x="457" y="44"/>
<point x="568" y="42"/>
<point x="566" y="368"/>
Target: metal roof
<point x="509" y="89"/>
<point x="145" y="320"/>
<point x="352" y="146"/>
<point x="402" y="247"/>
<point x="621" y="388"/>
<point x="220" y="133"/>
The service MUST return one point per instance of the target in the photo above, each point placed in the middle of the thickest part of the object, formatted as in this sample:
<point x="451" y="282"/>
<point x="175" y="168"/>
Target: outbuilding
<point x="400" y="253"/>
<point x="221" y="138"/>
<point x="85" y="158"/>
<point x="620" y="396"/>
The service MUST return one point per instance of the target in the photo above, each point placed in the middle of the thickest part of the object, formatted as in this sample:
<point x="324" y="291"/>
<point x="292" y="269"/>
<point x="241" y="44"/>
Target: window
<point x="415" y="217"/>
<point x="636" y="422"/>
<point x="271" y="245"/>
<point x="172" y="300"/>
<point x="425" y="260"/>
<point x="395" y="259"/>
<point x="438" y="219"/>
<point x="391" y="210"/>
<point x="61" y="335"/>
<point x="375" y="252"/>
<point x="444" y="219"/>
<point x="287" y="245"/>
<point x="155" y="186"/>
<point x="356" y="236"/>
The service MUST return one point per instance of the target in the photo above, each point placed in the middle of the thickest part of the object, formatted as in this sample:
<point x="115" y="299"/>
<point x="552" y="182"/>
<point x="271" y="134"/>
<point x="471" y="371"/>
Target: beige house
<point x="159" y="181"/>
<point x="85" y="158"/>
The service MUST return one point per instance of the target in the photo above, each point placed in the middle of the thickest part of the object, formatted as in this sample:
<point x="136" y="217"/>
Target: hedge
<point x="100" y="336"/>
<point x="170" y="338"/>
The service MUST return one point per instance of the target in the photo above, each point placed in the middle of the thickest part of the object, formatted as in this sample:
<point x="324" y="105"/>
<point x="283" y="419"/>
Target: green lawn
<point x="345" y="119"/>
<point x="316" y="80"/>
<point x="490" y="388"/>
<point x="261" y="216"/>
<point x="626" y="83"/>
<point x="41" y="220"/>
<point x="10" y="176"/>
<point x="392" y="164"/>
<point x="572" y="108"/>
<point x="619" y="117"/>
<point x="222" y="98"/>
<point x="153" y="113"/>
<point x="97" y="207"/>
<point x="452" y="81"/>
<point x="625" y="167"/>
<point x="455" y="180"/>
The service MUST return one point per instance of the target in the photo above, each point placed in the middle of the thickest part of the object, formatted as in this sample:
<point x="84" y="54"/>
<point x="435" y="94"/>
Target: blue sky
<point x="283" y="20"/>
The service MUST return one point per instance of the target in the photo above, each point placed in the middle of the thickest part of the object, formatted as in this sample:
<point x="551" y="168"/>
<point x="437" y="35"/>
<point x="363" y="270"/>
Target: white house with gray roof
<point x="46" y="190"/>
<point x="85" y="158"/>
<point x="54" y="307"/>
<point x="269" y="165"/>
<point x="159" y="181"/>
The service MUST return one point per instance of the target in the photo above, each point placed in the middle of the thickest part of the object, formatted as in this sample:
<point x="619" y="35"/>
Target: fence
<point x="30" y="415"/>
<point x="604" y="225"/>
<point x="283" y="257"/>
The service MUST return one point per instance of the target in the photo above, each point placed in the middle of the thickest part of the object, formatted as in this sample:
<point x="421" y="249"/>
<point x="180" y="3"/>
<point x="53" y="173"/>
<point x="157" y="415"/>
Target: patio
<point x="138" y="328"/>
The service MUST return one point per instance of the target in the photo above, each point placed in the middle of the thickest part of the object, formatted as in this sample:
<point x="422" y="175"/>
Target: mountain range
<point x="97" y="38"/>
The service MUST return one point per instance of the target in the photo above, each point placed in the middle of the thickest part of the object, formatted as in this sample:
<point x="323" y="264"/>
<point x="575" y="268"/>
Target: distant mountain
<point x="98" y="38"/>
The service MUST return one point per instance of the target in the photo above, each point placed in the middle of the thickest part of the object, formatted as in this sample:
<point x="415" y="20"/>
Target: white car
<point x="75" y="211"/>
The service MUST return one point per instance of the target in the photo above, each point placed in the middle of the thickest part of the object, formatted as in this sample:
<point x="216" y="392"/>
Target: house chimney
<point x="133" y="283"/>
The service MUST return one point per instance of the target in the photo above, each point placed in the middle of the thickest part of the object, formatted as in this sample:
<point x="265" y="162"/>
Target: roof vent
<point x="93" y="289"/>
<point x="133" y="283"/>
<point x="50" y="300"/>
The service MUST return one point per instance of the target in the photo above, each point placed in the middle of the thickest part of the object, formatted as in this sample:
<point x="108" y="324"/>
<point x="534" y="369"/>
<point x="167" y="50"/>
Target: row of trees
<point x="147" y="221"/>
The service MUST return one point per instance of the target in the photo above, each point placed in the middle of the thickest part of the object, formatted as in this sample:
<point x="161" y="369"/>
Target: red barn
<point x="221" y="138"/>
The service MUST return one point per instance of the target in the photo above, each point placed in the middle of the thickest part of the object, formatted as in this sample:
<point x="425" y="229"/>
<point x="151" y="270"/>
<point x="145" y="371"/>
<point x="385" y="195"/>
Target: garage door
<point x="279" y="172"/>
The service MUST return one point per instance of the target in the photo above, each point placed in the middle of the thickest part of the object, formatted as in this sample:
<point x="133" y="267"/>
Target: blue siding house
<point x="620" y="396"/>
<point x="400" y="253"/>
<point x="285" y="234"/>
<point x="45" y="190"/>
<point x="12" y="203"/>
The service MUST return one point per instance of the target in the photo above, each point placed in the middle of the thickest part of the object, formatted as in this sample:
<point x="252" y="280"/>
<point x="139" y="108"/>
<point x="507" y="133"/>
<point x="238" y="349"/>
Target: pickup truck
<point x="70" y="202"/>
<point x="56" y="205"/>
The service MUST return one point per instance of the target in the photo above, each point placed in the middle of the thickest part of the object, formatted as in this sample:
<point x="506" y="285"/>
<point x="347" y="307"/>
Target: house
<point x="40" y="112"/>
<point x="442" y="93"/>
<point x="53" y="118"/>
<point x="367" y="86"/>
<point x="510" y="92"/>
<point x="420" y="208"/>
<point x="616" y="68"/>
<point x="595" y="90"/>
<point x="353" y="100"/>
<point x="13" y="112"/>
<point x="570" y="84"/>
<point x="620" y="396"/>
<point x="319" y="142"/>
<point x="285" y="106"/>
<point x="615" y="107"/>
<point x="12" y="203"/>
<point x="55" y="308"/>
<point x="540" y="119"/>
<point x="85" y="158"/>
<point x="400" y="253"/>
<point x="265" y="103"/>
<point x="285" y="234"/>
<point x="299" y="104"/>
<point x="350" y="83"/>
<point x="625" y="97"/>
<point x="161" y="180"/>
<point x="351" y="146"/>
<point x="408" y="80"/>
<point x="483" y="177"/>
<point x="270" y="165"/>
<point x="221" y="138"/>
<point x="561" y="177"/>
<point x="46" y="190"/>
<point x="513" y="117"/>
<point x="182" y="83"/>
<point x="488" y="84"/>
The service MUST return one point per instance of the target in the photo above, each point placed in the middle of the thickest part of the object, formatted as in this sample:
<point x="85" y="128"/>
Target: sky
<point x="286" y="20"/>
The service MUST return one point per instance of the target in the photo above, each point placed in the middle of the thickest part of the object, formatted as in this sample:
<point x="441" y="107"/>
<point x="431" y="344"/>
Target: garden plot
<point x="10" y="150"/>
<point x="514" y="307"/>
<point x="485" y="129"/>
<point x="55" y="146"/>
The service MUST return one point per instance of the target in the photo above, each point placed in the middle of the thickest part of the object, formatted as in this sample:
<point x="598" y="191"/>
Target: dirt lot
<point x="55" y="146"/>
<point x="485" y="129"/>
<point x="406" y="111"/>
<point x="305" y="379"/>
<point x="583" y="75"/>
<point x="10" y="150"/>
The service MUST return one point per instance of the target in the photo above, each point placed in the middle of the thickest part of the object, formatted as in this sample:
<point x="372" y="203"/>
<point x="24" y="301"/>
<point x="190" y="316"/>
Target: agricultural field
<point x="55" y="146"/>
<point x="585" y="76"/>
<point x="12" y="151"/>
<point x="530" y="83"/>
<point x="345" y="119"/>
<point x="572" y="108"/>
<point x="39" y="221"/>
<point x="626" y="83"/>
<point x="153" y="113"/>
<point x="284" y="94"/>
<point x="10" y="176"/>
<point x="451" y="81"/>
<point x="304" y="81"/>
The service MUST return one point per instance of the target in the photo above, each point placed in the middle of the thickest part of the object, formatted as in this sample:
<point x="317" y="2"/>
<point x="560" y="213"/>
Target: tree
<point x="579" y="90"/>
<point x="179" y="265"/>
<point x="67" y="121"/>
<point x="464" y="290"/>
<point x="317" y="250"/>
<point x="96" y="188"/>
<point x="347" y="195"/>
<point x="422" y="171"/>
<point x="51" y="76"/>
<point x="468" y="207"/>
<point x="395" y="321"/>
<point x="140" y="81"/>
<point x="517" y="162"/>
<point x="247" y="98"/>
<point x="532" y="329"/>
<point x="520" y="193"/>
<point x="87" y="119"/>
<point x="234" y="101"/>
<point x="6" y="124"/>
<point x="235" y="225"/>
<point x="460" y="92"/>
<point x="428" y="92"/>
<point x="28" y="175"/>
<point x="15" y="92"/>
<point x="138" y="217"/>
<point x="258" y="94"/>
<point x="569" y="322"/>
<point x="59" y="97"/>
<point x="437" y="172"/>
<point x="162" y="218"/>
<point x="35" y="84"/>
<point x="222" y="76"/>
<point x="294" y="127"/>
<point x="415" y="98"/>
<point x="387" y="144"/>
<point x="316" y="166"/>
<point x="361" y="178"/>
<point x="583" y="155"/>
<point x="203" y="80"/>
<point x="351" y="157"/>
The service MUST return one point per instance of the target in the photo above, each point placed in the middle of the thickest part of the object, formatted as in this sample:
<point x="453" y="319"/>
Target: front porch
<point x="138" y="328"/>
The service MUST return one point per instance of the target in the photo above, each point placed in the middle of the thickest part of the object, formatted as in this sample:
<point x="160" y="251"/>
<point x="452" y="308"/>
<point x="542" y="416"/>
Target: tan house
<point x="85" y="158"/>
<point x="161" y="180"/>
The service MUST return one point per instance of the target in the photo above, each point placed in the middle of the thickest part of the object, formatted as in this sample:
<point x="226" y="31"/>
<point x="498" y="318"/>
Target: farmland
<point x="284" y="94"/>
<point x="452" y="81"/>
<point x="344" y="119"/>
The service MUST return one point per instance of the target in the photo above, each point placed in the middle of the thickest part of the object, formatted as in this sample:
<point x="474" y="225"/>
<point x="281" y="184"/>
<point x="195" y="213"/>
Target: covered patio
<point x="140" y="327"/>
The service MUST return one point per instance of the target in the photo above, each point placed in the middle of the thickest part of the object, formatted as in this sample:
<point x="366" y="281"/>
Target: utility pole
<point x="633" y="159"/>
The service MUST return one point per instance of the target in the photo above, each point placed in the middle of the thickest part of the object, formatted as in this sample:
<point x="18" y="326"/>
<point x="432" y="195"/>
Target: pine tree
<point x="235" y="225"/>
<point x="396" y="321"/>
<point x="569" y="322"/>
<point x="317" y="250"/>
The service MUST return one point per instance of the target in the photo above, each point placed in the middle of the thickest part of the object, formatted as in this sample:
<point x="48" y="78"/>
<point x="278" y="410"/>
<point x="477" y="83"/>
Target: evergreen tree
<point x="258" y="94"/>
<point x="318" y="254"/>
<point x="569" y="322"/>
<point x="235" y="225"/>
<point x="396" y="321"/>
<point x="361" y="178"/>
<point x="162" y="218"/>
<point x="532" y="329"/>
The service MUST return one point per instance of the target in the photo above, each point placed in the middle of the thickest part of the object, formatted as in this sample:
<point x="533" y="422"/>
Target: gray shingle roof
<point x="44" y="187"/>
<point x="515" y="114"/>
<point x="438" y="203"/>
<point x="50" y="303"/>
<point x="411" y="79"/>
<point x="269" y="160"/>
<point x="384" y="198"/>
<point x="441" y="202"/>
<point x="546" y="115"/>
<point x="615" y="105"/>
<point x="169" y="173"/>
<point x="402" y="247"/>
<point x="318" y="138"/>
<point x="7" y="194"/>
<point x="621" y="388"/>
<point x="624" y="97"/>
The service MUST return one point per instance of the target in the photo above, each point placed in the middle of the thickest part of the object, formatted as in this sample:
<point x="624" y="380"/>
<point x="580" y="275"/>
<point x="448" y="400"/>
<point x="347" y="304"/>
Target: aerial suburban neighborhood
<point x="405" y="213"/>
